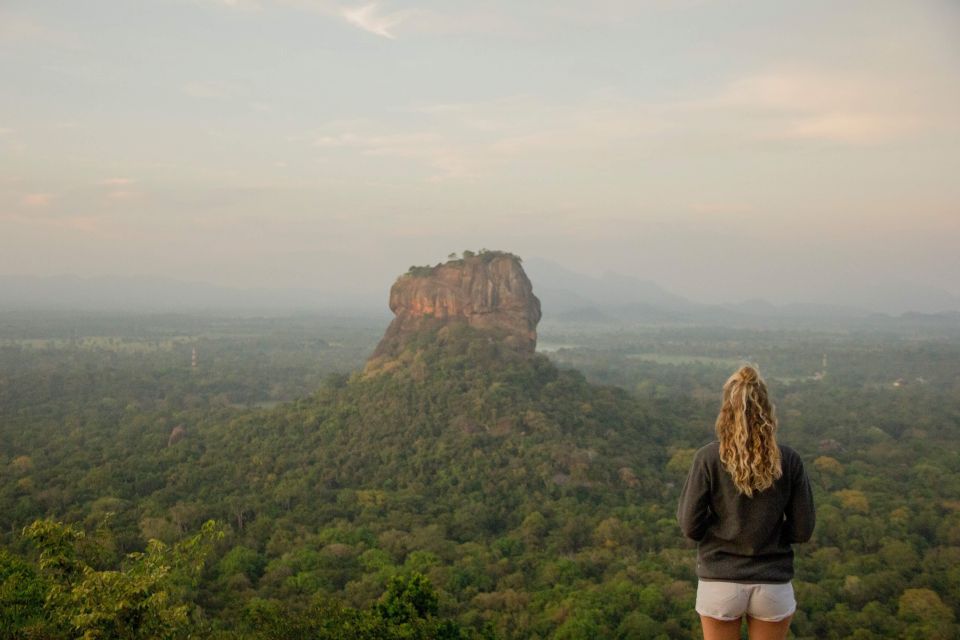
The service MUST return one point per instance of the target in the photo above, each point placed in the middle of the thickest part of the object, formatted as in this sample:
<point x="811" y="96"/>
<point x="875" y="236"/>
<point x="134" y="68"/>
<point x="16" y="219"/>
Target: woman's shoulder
<point x="789" y="457"/>
<point x="787" y="451"/>
<point x="707" y="451"/>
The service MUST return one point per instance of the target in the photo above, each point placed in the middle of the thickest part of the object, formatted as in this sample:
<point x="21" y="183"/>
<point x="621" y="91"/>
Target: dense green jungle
<point x="173" y="476"/>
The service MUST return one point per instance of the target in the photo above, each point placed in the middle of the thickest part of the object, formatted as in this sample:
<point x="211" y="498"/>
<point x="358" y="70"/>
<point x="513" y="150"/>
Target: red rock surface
<point x="488" y="292"/>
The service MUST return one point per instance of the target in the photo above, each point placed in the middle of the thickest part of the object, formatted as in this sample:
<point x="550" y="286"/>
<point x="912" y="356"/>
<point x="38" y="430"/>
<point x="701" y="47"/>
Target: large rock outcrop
<point x="488" y="291"/>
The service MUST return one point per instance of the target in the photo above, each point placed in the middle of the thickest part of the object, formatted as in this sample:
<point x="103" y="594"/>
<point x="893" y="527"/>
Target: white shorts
<point x="730" y="600"/>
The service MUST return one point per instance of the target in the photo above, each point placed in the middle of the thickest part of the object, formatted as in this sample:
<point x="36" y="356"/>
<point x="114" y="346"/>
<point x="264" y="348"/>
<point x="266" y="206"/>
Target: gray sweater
<point x="743" y="539"/>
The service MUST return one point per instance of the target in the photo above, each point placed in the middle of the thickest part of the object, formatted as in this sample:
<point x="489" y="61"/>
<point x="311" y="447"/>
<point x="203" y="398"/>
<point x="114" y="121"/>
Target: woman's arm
<point x="693" y="512"/>
<point x="800" y="515"/>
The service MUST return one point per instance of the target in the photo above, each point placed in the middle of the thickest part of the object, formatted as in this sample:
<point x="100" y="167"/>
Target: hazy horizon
<point x="795" y="152"/>
<point x="560" y="290"/>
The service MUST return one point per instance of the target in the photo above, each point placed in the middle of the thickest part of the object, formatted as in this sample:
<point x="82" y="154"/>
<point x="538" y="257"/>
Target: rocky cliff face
<point x="489" y="292"/>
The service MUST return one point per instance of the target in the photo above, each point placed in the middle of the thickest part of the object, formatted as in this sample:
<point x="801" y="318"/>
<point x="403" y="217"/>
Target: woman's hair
<point x="746" y="428"/>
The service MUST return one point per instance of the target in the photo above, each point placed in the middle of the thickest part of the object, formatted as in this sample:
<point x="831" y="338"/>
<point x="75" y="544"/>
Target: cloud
<point x="89" y="224"/>
<point x="374" y="18"/>
<point x="118" y="189"/>
<point x="524" y="125"/>
<point x="790" y="89"/>
<point x="469" y="141"/>
<point x="377" y="144"/>
<point x="370" y="18"/>
<point x="607" y="131"/>
<point x="820" y="104"/>
<point x="20" y="29"/>
<point x="209" y="89"/>
<point x="852" y="128"/>
<point x="442" y="156"/>
<point x="83" y="223"/>
<point x="123" y="194"/>
<point x="36" y="200"/>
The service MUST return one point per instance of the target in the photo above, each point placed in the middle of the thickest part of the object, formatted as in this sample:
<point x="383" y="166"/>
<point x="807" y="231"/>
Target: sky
<point x="792" y="151"/>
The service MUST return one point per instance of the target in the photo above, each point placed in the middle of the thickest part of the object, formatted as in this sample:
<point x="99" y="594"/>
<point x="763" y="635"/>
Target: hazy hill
<point x="614" y="298"/>
<point x="565" y="294"/>
<point x="153" y="294"/>
<point x="561" y="290"/>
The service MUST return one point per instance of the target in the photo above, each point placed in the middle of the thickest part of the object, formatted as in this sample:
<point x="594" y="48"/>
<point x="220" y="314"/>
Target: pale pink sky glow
<point x="269" y="143"/>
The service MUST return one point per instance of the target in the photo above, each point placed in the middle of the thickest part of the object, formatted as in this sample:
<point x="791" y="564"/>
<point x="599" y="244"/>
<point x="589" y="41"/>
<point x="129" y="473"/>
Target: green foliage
<point x="244" y="561"/>
<point x="408" y="598"/>
<point x="141" y="599"/>
<point x="22" y="595"/>
<point x="485" y="255"/>
<point x="420" y="271"/>
<point x="407" y="611"/>
<point x="531" y="502"/>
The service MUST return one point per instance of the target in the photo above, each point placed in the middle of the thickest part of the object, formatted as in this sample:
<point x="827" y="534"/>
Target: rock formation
<point x="176" y="435"/>
<point x="488" y="291"/>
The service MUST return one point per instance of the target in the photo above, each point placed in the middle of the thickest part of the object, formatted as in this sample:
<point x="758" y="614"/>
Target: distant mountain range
<point x="565" y="295"/>
<point x="572" y="296"/>
<point x="159" y="294"/>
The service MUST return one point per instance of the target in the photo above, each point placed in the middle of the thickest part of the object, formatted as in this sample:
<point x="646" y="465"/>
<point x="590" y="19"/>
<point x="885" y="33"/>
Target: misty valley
<point x="717" y="398"/>
<point x="472" y="493"/>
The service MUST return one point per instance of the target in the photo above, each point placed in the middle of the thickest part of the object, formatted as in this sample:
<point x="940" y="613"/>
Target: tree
<point x="144" y="598"/>
<point x="407" y="598"/>
<point x="927" y="615"/>
<point x="22" y="593"/>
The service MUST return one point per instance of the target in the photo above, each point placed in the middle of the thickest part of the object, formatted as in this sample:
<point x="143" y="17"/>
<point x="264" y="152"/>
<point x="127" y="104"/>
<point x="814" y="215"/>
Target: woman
<point x="745" y="501"/>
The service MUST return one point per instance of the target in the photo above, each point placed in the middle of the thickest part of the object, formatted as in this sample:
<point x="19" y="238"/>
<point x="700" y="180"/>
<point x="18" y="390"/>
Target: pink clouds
<point x="36" y="200"/>
<point x="827" y="105"/>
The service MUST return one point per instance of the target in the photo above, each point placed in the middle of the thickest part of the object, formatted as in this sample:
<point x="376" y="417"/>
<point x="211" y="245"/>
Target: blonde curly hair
<point x="746" y="429"/>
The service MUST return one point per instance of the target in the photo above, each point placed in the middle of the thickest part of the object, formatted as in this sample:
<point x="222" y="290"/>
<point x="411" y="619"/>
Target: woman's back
<point x="745" y="539"/>
<point x="745" y="501"/>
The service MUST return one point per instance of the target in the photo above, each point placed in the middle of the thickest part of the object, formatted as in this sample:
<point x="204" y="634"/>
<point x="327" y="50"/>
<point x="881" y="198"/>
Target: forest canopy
<point x="474" y="493"/>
